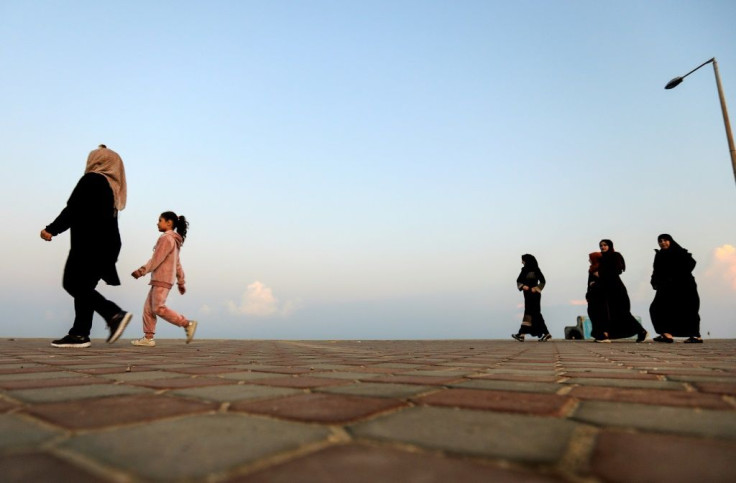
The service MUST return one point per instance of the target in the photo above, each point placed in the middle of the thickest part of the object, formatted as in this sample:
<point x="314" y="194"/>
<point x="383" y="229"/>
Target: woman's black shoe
<point x="661" y="338"/>
<point x="693" y="340"/>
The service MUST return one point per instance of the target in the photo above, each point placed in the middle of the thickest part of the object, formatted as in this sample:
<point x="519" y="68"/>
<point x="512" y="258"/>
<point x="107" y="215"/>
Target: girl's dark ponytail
<point x="181" y="225"/>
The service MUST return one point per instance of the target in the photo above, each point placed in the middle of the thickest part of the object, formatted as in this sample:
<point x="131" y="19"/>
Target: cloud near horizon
<point x="259" y="301"/>
<point x="723" y="266"/>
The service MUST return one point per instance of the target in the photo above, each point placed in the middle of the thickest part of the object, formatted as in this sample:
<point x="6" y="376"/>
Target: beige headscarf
<point x="109" y="164"/>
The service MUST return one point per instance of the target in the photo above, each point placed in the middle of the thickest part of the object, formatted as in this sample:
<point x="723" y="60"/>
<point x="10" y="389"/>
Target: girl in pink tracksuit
<point x="165" y="268"/>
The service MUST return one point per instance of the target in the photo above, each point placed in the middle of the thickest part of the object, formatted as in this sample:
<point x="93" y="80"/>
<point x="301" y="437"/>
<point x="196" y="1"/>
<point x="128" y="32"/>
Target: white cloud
<point x="205" y="310"/>
<point x="578" y="302"/>
<point x="723" y="266"/>
<point x="259" y="301"/>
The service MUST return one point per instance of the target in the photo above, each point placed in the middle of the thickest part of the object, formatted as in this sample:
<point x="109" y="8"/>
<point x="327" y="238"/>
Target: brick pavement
<point x="368" y="411"/>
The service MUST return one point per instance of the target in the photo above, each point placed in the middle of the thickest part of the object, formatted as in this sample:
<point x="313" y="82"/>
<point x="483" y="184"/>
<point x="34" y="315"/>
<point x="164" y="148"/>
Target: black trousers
<point x="80" y="280"/>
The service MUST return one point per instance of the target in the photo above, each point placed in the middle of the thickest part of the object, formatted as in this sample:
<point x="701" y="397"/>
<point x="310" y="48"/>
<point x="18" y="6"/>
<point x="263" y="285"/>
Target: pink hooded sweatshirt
<point x="165" y="265"/>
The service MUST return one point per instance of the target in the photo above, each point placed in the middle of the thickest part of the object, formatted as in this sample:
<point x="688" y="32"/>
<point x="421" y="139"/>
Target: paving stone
<point x="17" y="432"/>
<point x="37" y="467"/>
<point x="63" y="393"/>
<point x="716" y="387"/>
<point x="322" y="408"/>
<point x="281" y="370"/>
<point x="206" y="370"/>
<point x="631" y="458"/>
<point x="541" y="387"/>
<point x="379" y="389"/>
<point x="235" y="392"/>
<point x="514" y="402"/>
<point x="423" y="380"/>
<point x="302" y="382"/>
<point x="698" y="422"/>
<point x="518" y="378"/>
<point x="627" y="383"/>
<point x="41" y="383"/>
<point x="182" y="382"/>
<point x="366" y="464"/>
<point x="7" y="406"/>
<point x="649" y="396"/>
<point x="142" y="375"/>
<point x="700" y="378"/>
<point x="529" y="377"/>
<point x="37" y="375"/>
<point x="233" y="440"/>
<point x="438" y="373"/>
<point x="246" y="375"/>
<point x="528" y="439"/>
<point x="113" y="411"/>
<point x="629" y="375"/>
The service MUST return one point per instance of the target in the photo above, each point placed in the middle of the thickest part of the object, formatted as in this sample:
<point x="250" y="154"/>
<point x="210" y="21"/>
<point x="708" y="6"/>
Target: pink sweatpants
<point x="156" y="305"/>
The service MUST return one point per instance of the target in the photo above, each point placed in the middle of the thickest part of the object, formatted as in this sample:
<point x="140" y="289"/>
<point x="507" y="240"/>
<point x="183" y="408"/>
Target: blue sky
<point x="370" y="169"/>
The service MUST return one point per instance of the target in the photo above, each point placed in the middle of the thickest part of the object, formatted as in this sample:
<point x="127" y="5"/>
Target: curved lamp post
<point x="677" y="80"/>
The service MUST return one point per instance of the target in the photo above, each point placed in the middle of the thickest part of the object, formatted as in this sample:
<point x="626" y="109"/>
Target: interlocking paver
<point x="649" y="396"/>
<point x="18" y="432"/>
<point x="366" y="464"/>
<point x="706" y="422"/>
<point x="506" y="401"/>
<point x="512" y="385"/>
<point x="626" y="457"/>
<point x="527" y="439"/>
<point x="379" y="389"/>
<point x="114" y="411"/>
<point x="429" y="411"/>
<point x="37" y="466"/>
<point x="234" y="393"/>
<point x="64" y="393"/>
<point x="322" y="408"/>
<point x="176" y="449"/>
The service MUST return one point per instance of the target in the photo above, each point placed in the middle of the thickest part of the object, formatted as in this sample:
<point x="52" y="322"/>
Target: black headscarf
<point x="530" y="262"/>
<point x="673" y="244"/>
<point x="611" y="261"/>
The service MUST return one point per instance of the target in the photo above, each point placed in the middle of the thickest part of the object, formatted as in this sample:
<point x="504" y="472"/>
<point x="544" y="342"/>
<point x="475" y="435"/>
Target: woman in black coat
<point x="91" y="215"/>
<point x="676" y="306"/>
<point x="531" y="282"/>
<point x="612" y="307"/>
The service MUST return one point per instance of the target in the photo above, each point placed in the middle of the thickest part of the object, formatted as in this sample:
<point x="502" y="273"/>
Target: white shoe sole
<point x="138" y="344"/>
<point x="81" y="346"/>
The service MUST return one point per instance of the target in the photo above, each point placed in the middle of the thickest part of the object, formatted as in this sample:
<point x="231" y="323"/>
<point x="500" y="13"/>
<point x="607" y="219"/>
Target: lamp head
<point x="674" y="83"/>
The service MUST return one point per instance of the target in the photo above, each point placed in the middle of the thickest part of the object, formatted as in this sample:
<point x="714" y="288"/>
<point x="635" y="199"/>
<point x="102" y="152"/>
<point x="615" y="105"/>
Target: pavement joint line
<point x="579" y="449"/>
<point x="104" y="472"/>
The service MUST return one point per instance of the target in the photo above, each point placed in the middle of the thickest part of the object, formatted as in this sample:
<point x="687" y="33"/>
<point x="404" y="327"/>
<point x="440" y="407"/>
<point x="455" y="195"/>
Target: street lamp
<point x="677" y="80"/>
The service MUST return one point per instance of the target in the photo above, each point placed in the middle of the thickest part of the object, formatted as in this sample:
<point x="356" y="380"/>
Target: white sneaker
<point x="143" y="342"/>
<point x="190" y="329"/>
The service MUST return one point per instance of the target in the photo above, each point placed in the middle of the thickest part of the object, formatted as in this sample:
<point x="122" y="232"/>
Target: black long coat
<point x="676" y="306"/>
<point x="609" y="306"/>
<point x="91" y="217"/>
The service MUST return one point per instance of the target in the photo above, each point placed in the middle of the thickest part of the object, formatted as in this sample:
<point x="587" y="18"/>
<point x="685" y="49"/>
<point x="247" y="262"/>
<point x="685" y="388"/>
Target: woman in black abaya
<point x="531" y="282"/>
<point x="675" y="308"/>
<point x="614" y="309"/>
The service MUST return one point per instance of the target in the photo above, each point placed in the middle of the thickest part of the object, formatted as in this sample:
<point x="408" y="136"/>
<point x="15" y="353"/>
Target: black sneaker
<point x="117" y="325"/>
<point x="72" y="341"/>
<point x="693" y="340"/>
<point x="518" y="337"/>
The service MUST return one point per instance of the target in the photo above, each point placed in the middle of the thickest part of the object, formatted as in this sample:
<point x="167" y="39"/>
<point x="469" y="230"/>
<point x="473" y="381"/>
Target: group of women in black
<point x="674" y="311"/>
